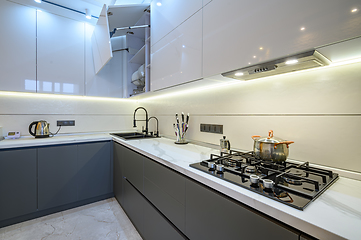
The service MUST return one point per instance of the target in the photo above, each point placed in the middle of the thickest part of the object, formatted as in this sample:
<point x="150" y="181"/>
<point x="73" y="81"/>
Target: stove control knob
<point x="268" y="184"/>
<point x="254" y="179"/>
<point x="220" y="168"/>
<point x="211" y="166"/>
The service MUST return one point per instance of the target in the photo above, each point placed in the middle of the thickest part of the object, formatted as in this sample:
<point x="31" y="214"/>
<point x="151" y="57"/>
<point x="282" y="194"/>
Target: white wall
<point x="18" y="110"/>
<point x="319" y="110"/>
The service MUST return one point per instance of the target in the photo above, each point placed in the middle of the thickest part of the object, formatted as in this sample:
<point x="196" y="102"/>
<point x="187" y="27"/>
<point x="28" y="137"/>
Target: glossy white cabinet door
<point x="166" y="15"/>
<point x="60" y="55"/>
<point x="238" y="33"/>
<point x="205" y="2"/>
<point x="100" y="41"/>
<point x="17" y="47"/>
<point x="177" y="58"/>
<point x="108" y="82"/>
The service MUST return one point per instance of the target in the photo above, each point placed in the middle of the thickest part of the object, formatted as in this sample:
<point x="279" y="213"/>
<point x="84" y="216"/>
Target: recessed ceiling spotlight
<point x="159" y="4"/>
<point x="237" y="74"/>
<point x="302" y="28"/>
<point x="38" y="1"/>
<point x="87" y="14"/>
<point x="354" y="10"/>
<point x="293" y="61"/>
<point x="254" y="56"/>
<point x="260" y="48"/>
<point x="249" y="63"/>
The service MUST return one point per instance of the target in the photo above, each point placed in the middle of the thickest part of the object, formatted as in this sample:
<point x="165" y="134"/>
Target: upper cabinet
<point x="100" y="41"/>
<point x="167" y="15"/>
<point x="177" y="58"/>
<point x="17" y="47"/>
<point x="241" y="33"/>
<point x="60" y="55"/>
<point x="121" y="52"/>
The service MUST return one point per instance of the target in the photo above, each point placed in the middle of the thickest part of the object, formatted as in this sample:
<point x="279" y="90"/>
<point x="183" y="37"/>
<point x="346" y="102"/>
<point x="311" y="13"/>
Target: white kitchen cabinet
<point x="60" y="54"/>
<point x="100" y="41"/>
<point x="205" y="2"/>
<point x="177" y="58"/>
<point x="241" y="33"/>
<point x="166" y="15"/>
<point x="17" y="47"/>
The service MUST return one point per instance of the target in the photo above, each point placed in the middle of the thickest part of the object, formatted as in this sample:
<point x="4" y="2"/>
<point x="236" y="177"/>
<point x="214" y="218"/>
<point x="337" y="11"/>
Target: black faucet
<point x="146" y="119"/>
<point x="157" y="132"/>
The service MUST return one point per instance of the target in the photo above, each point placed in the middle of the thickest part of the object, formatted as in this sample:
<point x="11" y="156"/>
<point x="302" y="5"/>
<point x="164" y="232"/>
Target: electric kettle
<point x="41" y="129"/>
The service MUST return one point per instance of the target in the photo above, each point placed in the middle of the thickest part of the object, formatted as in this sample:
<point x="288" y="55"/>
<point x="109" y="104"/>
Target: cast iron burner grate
<point x="293" y="184"/>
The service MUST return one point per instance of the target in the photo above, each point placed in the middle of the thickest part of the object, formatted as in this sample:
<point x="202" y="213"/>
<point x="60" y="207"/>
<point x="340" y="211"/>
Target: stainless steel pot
<point x="271" y="148"/>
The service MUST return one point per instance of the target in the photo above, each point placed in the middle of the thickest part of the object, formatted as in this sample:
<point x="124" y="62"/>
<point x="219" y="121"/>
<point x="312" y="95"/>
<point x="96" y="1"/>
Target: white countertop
<point x="336" y="214"/>
<point x="58" y="139"/>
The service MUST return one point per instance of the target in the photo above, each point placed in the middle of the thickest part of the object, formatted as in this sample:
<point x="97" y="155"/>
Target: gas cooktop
<point x="296" y="185"/>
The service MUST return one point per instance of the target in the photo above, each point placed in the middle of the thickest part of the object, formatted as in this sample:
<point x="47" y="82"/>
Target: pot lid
<point x="270" y="138"/>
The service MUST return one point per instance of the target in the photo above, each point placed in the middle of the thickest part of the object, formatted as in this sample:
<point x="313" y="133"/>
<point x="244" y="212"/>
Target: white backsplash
<point x="17" y="111"/>
<point x="319" y="110"/>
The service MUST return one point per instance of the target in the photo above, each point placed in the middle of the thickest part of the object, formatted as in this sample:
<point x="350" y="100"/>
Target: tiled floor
<point x="100" y="220"/>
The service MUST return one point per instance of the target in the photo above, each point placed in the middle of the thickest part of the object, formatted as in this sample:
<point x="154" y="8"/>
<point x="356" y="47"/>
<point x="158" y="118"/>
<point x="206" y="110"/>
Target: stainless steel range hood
<point x="301" y="61"/>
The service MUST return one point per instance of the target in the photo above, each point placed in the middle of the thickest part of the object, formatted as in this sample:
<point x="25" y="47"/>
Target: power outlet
<point x="212" y="128"/>
<point x="65" y="123"/>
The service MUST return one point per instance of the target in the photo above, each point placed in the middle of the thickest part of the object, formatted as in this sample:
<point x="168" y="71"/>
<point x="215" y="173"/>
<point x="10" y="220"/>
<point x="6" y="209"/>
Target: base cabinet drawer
<point x="209" y="215"/>
<point x="149" y="222"/>
<point x="18" y="183"/>
<point x="156" y="227"/>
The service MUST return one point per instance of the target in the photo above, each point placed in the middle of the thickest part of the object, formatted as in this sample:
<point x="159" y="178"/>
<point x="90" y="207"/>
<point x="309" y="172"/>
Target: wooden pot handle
<point x="284" y="142"/>
<point x="255" y="136"/>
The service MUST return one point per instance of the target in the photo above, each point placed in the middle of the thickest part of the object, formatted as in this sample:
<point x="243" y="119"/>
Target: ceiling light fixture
<point x="354" y="10"/>
<point x="38" y="1"/>
<point x="293" y="61"/>
<point x="238" y="74"/>
<point x="87" y="14"/>
<point x="302" y="28"/>
<point x="260" y="48"/>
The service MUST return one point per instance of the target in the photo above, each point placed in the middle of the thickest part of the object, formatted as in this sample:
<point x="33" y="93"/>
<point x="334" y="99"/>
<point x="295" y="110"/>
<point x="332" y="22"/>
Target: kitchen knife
<point x="175" y="129"/>
<point x="187" y="118"/>
<point x="176" y="117"/>
<point x="183" y="117"/>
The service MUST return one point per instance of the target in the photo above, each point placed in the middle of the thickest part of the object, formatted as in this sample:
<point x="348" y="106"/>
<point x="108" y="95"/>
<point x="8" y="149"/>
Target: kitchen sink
<point x="132" y="135"/>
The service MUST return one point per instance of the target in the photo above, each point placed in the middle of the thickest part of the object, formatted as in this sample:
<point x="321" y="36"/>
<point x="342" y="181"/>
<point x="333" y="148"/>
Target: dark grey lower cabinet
<point x="94" y="170"/>
<point x="156" y="227"/>
<point x="118" y="173"/>
<point x="166" y="190"/>
<point x="133" y="168"/>
<point x="209" y="215"/>
<point x="151" y="224"/>
<point x="18" y="183"/>
<point x="133" y="204"/>
<point x="57" y="176"/>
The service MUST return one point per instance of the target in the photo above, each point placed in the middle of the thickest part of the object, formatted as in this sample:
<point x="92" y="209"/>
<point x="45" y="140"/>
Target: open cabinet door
<point x="101" y="46"/>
